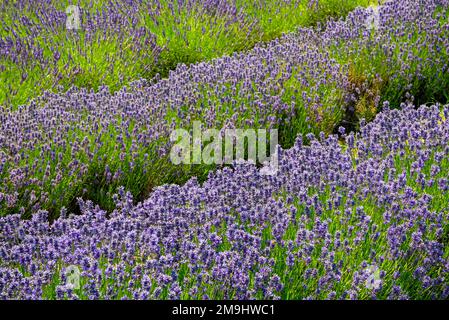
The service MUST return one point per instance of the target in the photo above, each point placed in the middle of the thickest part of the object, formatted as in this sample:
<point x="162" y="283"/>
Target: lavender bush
<point x="394" y="60"/>
<point x="38" y="52"/>
<point x="360" y="220"/>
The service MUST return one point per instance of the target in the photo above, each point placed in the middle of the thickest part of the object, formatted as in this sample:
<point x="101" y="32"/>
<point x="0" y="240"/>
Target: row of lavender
<point x="44" y="44"/>
<point x="367" y="220"/>
<point x="84" y="143"/>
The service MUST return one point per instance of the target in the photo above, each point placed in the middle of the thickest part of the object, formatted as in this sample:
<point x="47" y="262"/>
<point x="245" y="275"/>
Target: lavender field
<point x="102" y="193"/>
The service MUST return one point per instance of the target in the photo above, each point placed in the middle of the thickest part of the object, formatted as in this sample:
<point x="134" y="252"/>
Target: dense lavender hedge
<point x="85" y="143"/>
<point x="120" y="41"/>
<point x="332" y="215"/>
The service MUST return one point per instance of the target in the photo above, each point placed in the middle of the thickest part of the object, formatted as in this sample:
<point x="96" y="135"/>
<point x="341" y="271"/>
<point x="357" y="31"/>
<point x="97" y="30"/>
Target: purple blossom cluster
<point x="80" y="142"/>
<point x="315" y="230"/>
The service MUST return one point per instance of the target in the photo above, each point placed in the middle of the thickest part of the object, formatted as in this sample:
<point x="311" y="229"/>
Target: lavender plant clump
<point x="315" y="230"/>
